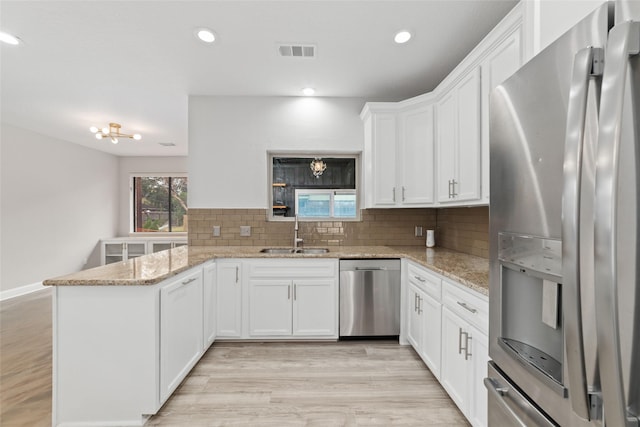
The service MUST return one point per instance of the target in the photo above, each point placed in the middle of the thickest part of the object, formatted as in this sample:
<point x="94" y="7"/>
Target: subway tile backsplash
<point x="461" y="229"/>
<point x="464" y="230"/>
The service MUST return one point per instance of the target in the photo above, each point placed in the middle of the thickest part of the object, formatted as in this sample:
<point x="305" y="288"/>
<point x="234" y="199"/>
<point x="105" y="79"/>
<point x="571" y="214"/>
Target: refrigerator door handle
<point x="572" y="172"/>
<point x="624" y="41"/>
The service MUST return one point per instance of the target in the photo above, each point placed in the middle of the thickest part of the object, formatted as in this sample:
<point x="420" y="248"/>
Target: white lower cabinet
<point x="292" y="299"/>
<point x="315" y="308"/>
<point x="209" y="296"/>
<point x="446" y="323"/>
<point x="229" y="299"/>
<point x="424" y="313"/>
<point x="120" y="351"/>
<point x="118" y="250"/>
<point x="270" y="307"/>
<point x="455" y="366"/>
<point x="431" y="344"/>
<point x="414" y="319"/>
<point x="465" y="350"/>
<point x="180" y="330"/>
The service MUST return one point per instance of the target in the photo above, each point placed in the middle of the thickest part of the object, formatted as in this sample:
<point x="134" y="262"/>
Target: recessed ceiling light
<point x="402" y="37"/>
<point x="206" y="35"/>
<point x="8" y="38"/>
<point x="309" y="91"/>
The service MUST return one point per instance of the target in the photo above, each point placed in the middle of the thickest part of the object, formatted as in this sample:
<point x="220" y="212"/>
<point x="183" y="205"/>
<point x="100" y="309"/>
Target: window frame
<point x="357" y="155"/>
<point x="132" y="231"/>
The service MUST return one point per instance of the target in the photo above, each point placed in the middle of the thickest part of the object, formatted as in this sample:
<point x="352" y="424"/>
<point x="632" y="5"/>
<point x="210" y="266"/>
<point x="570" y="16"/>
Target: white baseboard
<point x="22" y="290"/>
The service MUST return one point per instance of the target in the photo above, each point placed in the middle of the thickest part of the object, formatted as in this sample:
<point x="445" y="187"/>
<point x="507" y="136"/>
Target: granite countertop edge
<point x="468" y="270"/>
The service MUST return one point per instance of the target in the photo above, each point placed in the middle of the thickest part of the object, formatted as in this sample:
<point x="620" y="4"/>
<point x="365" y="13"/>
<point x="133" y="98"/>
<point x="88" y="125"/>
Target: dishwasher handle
<point x="371" y="268"/>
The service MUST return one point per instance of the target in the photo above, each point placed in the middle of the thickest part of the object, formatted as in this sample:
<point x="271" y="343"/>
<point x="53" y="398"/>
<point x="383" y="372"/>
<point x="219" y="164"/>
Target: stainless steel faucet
<point x="296" y="239"/>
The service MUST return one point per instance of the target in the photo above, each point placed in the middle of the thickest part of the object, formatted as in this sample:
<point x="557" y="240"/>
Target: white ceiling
<point x="86" y="63"/>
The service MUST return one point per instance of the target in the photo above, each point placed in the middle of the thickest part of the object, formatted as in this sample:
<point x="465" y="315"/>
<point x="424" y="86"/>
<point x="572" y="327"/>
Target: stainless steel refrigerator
<point x="564" y="234"/>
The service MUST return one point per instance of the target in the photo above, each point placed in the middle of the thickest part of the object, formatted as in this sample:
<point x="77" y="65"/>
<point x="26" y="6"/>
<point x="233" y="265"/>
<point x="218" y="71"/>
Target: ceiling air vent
<point x="297" y="50"/>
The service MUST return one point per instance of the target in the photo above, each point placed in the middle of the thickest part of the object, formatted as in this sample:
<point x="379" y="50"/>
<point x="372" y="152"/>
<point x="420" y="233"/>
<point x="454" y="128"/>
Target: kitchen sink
<point x="312" y="251"/>
<point x="294" y="251"/>
<point x="277" y="251"/>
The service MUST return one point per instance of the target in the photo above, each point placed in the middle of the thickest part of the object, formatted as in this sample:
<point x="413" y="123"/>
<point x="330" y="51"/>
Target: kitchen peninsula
<point x="138" y="327"/>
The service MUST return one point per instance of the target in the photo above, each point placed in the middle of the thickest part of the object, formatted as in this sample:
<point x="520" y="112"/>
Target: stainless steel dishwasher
<point x="369" y="297"/>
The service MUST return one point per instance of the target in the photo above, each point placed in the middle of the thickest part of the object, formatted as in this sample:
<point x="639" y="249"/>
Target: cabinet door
<point x="159" y="246"/>
<point x="180" y="330"/>
<point x="431" y="332"/>
<point x="270" y="307"/>
<point x="315" y="307"/>
<point x="209" y="304"/>
<point x="416" y="157"/>
<point x="500" y="64"/>
<point x="479" y="357"/>
<point x="414" y="321"/>
<point x="467" y="186"/>
<point x="229" y="300"/>
<point x="384" y="160"/>
<point x="136" y="249"/>
<point x="112" y="252"/>
<point x="455" y="369"/>
<point x="446" y="140"/>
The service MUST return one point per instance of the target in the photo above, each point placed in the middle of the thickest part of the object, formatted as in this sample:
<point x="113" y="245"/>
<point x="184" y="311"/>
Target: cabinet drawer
<point x="470" y="306"/>
<point x="424" y="280"/>
<point x="290" y="268"/>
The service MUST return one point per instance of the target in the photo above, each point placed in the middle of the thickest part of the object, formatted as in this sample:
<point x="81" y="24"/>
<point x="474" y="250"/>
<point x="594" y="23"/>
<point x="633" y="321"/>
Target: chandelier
<point x="113" y="132"/>
<point x="317" y="167"/>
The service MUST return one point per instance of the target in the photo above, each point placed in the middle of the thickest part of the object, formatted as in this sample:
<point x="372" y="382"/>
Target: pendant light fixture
<point x="317" y="166"/>
<point x="113" y="132"/>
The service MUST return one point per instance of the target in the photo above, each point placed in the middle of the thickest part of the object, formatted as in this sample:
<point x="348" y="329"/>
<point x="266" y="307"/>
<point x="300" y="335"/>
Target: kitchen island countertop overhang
<point x="469" y="270"/>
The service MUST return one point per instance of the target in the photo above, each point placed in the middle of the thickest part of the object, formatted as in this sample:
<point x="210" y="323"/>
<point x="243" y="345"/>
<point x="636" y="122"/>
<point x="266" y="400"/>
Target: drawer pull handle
<point x="466" y="307"/>
<point x="420" y="279"/>
<point x="186" y="282"/>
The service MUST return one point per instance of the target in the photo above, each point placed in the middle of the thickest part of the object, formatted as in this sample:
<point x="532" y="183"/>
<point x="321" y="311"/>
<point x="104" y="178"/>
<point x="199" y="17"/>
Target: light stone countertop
<point x="150" y="269"/>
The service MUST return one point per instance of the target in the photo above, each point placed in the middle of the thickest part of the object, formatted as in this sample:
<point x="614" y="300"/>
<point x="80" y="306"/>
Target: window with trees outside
<point x="159" y="204"/>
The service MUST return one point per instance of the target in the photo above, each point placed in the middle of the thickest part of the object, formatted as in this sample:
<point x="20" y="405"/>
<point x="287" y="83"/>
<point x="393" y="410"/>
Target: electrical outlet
<point x="418" y="231"/>
<point x="216" y="231"/>
<point x="245" y="230"/>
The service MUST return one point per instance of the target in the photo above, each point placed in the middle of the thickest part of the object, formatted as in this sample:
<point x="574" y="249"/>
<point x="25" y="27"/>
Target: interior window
<point x="314" y="187"/>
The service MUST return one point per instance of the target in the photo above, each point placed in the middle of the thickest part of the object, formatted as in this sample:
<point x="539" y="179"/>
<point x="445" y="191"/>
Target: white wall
<point x="546" y="20"/>
<point x="129" y="166"/>
<point x="57" y="200"/>
<point x="229" y="138"/>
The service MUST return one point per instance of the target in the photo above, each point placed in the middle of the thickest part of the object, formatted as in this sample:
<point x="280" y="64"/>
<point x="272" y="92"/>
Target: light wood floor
<point x="372" y="383"/>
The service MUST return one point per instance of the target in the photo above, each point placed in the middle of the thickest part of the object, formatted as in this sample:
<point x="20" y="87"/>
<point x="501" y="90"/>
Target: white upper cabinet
<point x="399" y="154"/>
<point x="416" y="173"/>
<point x="459" y="141"/>
<point x="380" y="159"/>
<point x="439" y="141"/>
